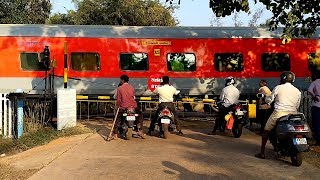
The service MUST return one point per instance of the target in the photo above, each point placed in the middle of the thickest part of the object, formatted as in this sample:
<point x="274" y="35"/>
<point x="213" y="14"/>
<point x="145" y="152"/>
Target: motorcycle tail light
<point x="165" y="112"/>
<point x="299" y="128"/>
<point x="299" y="136"/>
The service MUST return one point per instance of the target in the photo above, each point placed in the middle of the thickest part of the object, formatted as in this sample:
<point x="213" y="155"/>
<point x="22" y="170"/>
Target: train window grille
<point x="314" y="62"/>
<point x="30" y="62"/>
<point x="134" y="61"/>
<point x="228" y="62"/>
<point x="85" y="61"/>
<point x="275" y="62"/>
<point x="181" y="62"/>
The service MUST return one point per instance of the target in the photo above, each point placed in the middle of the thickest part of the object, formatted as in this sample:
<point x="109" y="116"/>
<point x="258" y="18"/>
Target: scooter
<point x="289" y="137"/>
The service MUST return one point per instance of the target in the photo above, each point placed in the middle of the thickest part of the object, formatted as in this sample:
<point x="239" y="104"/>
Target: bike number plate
<point x="239" y="113"/>
<point x="131" y="118"/>
<point x="165" y="121"/>
<point x="298" y="141"/>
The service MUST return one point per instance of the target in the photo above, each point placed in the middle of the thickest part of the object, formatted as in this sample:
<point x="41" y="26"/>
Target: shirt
<point x="166" y="93"/>
<point x="125" y="96"/>
<point x="314" y="90"/>
<point x="265" y="90"/>
<point x="229" y="95"/>
<point x="286" y="97"/>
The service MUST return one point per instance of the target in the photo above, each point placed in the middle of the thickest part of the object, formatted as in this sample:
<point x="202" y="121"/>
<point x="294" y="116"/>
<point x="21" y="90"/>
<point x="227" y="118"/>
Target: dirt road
<point x="193" y="155"/>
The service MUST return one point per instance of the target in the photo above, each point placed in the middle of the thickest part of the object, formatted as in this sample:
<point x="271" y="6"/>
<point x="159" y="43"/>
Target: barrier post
<point x="65" y="74"/>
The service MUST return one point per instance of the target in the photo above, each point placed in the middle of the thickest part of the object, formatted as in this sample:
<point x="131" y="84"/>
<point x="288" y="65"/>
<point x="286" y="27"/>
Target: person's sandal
<point x="261" y="156"/>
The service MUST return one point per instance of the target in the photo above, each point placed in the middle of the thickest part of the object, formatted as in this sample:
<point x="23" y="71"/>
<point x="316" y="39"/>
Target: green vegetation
<point x="38" y="137"/>
<point x="300" y="18"/>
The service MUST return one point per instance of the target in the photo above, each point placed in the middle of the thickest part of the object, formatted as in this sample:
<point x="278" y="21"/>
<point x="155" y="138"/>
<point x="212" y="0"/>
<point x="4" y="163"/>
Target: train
<point x="197" y="59"/>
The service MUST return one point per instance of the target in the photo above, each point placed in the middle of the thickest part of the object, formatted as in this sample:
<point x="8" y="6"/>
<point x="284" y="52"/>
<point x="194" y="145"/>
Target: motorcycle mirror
<point x="260" y="95"/>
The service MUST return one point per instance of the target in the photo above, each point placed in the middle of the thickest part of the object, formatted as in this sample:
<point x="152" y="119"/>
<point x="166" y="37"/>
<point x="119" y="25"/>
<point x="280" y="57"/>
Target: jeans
<point x="315" y="112"/>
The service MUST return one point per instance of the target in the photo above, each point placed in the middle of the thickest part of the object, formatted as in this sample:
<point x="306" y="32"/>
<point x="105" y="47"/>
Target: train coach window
<point x="134" y="61"/>
<point x="275" y="61"/>
<point x="81" y="61"/>
<point x="30" y="62"/>
<point x="314" y="62"/>
<point x="181" y="62"/>
<point x="228" y="62"/>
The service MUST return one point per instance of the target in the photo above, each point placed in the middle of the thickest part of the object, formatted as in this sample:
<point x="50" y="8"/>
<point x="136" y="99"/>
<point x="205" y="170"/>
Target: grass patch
<point x="38" y="137"/>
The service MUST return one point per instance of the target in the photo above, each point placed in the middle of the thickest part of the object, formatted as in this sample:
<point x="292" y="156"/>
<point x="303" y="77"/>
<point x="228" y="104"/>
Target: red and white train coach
<point x="197" y="59"/>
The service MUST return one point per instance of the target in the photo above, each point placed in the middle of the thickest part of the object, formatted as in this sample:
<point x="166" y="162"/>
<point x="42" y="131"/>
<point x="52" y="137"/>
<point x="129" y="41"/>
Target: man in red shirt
<point x="126" y="99"/>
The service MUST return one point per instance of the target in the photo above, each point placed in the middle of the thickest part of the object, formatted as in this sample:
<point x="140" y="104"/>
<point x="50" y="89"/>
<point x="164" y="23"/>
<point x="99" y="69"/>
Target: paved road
<point x="193" y="155"/>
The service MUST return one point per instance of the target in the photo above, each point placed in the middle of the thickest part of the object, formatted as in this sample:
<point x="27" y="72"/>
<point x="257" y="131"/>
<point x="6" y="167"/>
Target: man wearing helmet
<point x="229" y="95"/>
<point x="286" y="99"/>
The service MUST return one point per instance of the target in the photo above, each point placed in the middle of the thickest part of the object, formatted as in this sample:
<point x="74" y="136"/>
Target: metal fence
<point x="305" y="106"/>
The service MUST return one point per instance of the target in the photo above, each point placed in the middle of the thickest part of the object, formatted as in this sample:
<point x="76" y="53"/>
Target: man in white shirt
<point x="229" y="96"/>
<point x="286" y="99"/>
<point x="314" y="91"/>
<point x="166" y="92"/>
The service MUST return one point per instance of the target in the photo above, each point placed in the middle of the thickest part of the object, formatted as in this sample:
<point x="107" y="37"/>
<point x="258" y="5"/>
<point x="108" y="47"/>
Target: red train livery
<point x="197" y="59"/>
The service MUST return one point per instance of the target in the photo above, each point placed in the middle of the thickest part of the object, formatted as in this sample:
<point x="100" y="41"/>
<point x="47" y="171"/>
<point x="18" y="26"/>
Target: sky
<point x="190" y="12"/>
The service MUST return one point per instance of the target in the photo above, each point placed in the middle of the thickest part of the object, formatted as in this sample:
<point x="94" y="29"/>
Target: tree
<point x="237" y="22"/>
<point x="24" y="11"/>
<point x="299" y="17"/>
<point x="216" y="21"/>
<point x="118" y="12"/>
<point x="255" y="17"/>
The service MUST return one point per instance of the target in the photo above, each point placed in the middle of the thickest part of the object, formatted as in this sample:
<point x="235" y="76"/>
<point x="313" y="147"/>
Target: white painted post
<point x="5" y="117"/>
<point x="10" y="119"/>
<point x="1" y="129"/>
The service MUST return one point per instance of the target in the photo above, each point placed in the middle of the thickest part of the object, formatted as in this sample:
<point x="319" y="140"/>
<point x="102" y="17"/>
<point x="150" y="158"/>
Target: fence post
<point x="1" y="117"/>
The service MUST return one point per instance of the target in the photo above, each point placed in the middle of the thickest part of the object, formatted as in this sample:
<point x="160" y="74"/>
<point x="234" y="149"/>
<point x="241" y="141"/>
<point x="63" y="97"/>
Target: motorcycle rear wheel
<point x="237" y="131"/>
<point x="129" y="134"/>
<point x="296" y="159"/>
<point x="165" y="131"/>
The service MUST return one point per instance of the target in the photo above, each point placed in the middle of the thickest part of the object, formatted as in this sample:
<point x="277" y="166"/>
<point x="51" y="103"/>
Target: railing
<point x="305" y="106"/>
<point x="6" y="122"/>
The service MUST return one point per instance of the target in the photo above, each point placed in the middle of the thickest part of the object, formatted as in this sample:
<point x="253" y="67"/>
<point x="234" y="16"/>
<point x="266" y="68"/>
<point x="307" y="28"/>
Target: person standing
<point x="264" y="108"/>
<point x="314" y="91"/>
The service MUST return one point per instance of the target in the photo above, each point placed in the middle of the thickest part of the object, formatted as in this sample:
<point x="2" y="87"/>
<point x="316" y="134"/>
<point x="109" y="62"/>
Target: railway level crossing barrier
<point x="148" y="105"/>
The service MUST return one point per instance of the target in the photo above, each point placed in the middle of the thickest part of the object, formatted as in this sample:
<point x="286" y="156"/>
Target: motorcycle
<point x="289" y="137"/>
<point x="127" y="124"/>
<point x="166" y="122"/>
<point x="239" y="116"/>
<point x="240" y="119"/>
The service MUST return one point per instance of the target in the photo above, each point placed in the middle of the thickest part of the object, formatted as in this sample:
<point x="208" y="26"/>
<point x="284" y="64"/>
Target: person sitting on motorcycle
<point x="286" y="99"/>
<point x="166" y="92"/>
<point x="229" y="96"/>
<point x="125" y="99"/>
